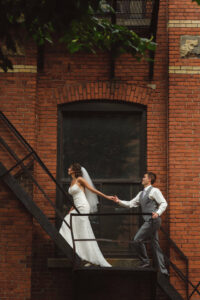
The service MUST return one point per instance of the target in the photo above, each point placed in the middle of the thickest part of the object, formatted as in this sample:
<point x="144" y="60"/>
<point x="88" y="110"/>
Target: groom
<point x="151" y="201"/>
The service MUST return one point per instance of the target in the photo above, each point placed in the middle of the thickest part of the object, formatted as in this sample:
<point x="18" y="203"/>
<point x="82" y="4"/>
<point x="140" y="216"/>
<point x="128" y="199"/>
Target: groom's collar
<point x="147" y="187"/>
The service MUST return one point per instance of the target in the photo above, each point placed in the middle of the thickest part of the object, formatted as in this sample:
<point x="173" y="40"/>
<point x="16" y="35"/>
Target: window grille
<point x="138" y="15"/>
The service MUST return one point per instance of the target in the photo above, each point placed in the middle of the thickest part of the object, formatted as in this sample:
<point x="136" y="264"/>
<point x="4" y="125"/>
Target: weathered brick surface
<point x="15" y="248"/>
<point x="184" y="136"/>
<point x="17" y="101"/>
<point x="30" y="100"/>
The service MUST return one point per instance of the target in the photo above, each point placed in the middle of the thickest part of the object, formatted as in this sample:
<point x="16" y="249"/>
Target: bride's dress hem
<point x="88" y="251"/>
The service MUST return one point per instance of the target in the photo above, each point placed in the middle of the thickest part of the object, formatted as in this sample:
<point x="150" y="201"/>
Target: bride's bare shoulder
<point x="80" y="179"/>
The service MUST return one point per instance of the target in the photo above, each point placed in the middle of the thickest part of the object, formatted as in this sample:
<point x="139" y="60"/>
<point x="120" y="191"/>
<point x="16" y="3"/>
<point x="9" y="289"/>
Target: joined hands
<point x="116" y="200"/>
<point x="113" y="198"/>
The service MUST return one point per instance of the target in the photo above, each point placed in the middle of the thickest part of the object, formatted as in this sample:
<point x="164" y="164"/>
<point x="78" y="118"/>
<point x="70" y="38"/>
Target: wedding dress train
<point x="86" y="250"/>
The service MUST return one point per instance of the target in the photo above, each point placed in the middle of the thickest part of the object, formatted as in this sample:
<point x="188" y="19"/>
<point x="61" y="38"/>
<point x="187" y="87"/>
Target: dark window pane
<point x="120" y="228"/>
<point x="108" y="140"/>
<point x="106" y="144"/>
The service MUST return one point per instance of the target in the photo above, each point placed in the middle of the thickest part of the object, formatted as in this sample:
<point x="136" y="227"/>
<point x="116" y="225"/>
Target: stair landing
<point x="114" y="283"/>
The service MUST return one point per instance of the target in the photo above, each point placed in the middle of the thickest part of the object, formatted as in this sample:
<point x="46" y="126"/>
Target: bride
<point x="85" y="200"/>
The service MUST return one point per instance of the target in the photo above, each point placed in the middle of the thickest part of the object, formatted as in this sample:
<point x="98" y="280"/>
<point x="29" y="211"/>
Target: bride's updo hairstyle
<point x="76" y="167"/>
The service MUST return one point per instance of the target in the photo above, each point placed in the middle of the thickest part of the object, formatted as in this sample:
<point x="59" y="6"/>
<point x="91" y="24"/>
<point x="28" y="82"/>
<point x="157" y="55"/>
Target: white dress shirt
<point x="155" y="194"/>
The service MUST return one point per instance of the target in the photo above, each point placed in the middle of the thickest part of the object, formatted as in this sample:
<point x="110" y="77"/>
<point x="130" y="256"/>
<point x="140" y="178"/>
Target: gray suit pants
<point x="149" y="232"/>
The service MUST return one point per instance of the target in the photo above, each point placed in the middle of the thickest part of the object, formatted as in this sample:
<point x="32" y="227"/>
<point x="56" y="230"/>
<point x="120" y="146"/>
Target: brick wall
<point x="15" y="248"/>
<point x="17" y="101"/>
<point x="30" y="99"/>
<point x="82" y="77"/>
<point x="184" y="135"/>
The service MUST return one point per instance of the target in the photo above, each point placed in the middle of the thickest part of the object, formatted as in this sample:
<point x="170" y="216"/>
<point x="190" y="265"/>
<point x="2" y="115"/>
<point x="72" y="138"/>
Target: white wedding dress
<point x="89" y="250"/>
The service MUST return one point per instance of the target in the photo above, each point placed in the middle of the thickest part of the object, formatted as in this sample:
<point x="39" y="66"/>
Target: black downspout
<point x="112" y="59"/>
<point x="153" y="31"/>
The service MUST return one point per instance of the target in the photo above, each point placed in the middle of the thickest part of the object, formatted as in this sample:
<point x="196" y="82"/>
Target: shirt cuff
<point x="159" y="212"/>
<point x="123" y="203"/>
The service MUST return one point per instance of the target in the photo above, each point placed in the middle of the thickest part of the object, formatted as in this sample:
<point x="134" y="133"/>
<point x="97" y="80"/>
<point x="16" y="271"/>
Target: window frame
<point x="99" y="106"/>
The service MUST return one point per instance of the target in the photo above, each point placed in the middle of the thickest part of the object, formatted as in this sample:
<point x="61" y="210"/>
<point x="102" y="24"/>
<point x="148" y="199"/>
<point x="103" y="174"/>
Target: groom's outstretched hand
<point x="116" y="199"/>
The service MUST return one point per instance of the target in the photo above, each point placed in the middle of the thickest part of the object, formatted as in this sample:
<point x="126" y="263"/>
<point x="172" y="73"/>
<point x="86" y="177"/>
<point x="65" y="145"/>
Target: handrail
<point x="20" y="162"/>
<point x="96" y="214"/>
<point x="109" y="180"/>
<point x="37" y="158"/>
<point x="35" y="155"/>
<point x="174" y="244"/>
<point x="17" y="164"/>
<point x="183" y="277"/>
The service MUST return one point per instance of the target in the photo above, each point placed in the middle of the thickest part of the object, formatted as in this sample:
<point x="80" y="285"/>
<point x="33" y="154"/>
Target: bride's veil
<point x="91" y="197"/>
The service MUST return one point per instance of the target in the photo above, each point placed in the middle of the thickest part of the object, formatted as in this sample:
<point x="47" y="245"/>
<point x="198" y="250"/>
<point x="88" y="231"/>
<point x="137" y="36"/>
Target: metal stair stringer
<point x="36" y="212"/>
<point x="164" y="284"/>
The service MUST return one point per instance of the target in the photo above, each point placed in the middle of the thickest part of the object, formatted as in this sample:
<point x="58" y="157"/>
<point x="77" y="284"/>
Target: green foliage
<point x="198" y="1"/>
<point x="93" y="33"/>
<point x="72" y="22"/>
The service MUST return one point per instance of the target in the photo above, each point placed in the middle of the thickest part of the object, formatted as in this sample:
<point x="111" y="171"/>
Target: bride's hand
<point x="112" y="198"/>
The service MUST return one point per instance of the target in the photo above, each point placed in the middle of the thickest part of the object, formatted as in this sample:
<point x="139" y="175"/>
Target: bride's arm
<point x="84" y="183"/>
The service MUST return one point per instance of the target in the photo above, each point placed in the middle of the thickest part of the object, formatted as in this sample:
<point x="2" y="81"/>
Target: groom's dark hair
<point x="152" y="176"/>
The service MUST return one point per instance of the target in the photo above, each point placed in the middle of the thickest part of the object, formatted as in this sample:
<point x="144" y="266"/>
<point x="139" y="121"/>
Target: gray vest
<point x="147" y="205"/>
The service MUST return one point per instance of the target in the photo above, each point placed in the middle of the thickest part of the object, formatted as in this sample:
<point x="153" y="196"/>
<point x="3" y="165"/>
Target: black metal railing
<point x="140" y="16"/>
<point x="20" y="162"/>
<point x="32" y="154"/>
<point x="195" y="289"/>
<point x="179" y="273"/>
<point x="137" y="15"/>
<point x="183" y="277"/>
<point x="127" y="188"/>
<point x="74" y="240"/>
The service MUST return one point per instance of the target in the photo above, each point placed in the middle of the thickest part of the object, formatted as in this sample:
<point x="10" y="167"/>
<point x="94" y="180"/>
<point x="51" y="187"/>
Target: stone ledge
<point x="184" y="23"/>
<point x="184" y="70"/>
<point x="22" y="69"/>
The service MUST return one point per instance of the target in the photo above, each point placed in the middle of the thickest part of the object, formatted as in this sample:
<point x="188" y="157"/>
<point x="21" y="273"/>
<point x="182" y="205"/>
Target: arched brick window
<point x="109" y="139"/>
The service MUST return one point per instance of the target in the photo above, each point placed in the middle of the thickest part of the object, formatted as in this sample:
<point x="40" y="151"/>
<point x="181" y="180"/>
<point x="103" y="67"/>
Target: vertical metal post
<point x="112" y="59"/>
<point x="100" y="218"/>
<point x="153" y="31"/>
<point x="187" y="282"/>
<point x="73" y="242"/>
